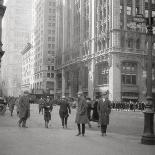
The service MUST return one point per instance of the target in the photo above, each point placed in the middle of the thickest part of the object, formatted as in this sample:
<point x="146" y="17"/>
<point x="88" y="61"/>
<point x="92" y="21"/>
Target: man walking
<point x="104" y="109"/>
<point x="81" y="115"/>
<point x="64" y="111"/>
<point x="24" y="109"/>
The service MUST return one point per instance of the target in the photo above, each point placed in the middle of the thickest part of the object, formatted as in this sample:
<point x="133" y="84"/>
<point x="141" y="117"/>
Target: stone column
<point x="63" y="82"/>
<point x="115" y="78"/>
<point x="91" y="65"/>
<point x="115" y="23"/>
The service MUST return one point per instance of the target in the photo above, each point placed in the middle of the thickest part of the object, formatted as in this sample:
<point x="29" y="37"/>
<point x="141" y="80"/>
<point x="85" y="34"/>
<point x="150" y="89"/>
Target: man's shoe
<point x="82" y="134"/>
<point x="78" y="134"/>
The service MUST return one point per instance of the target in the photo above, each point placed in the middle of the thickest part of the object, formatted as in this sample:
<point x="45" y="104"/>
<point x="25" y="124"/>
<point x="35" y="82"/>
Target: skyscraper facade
<point x="16" y="33"/>
<point x="100" y="48"/>
<point x="44" y="45"/>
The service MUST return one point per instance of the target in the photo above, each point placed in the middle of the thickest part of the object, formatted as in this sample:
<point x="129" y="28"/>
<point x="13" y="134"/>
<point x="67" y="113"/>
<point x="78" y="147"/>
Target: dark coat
<point x="47" y="110"/>
<point x="104" y="109"/>
<point x="64" y="109"/>
<point x="95" y="116"/>
<point x="24" y="107"/>
<point x="81" y="115"/>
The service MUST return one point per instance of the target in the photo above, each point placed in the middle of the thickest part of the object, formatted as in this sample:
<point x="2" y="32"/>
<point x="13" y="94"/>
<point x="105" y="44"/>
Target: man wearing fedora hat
<point x="81" y="115"/>
<point x="104" y="109"/>
<point x="64" y="111"/>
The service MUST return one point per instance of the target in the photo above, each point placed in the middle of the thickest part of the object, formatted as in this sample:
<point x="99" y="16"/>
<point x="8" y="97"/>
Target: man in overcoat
<point x="81" y="115"/>
<point x="64" y="111"/>
<point x="24" y="109"/>
<point x="104" y="109"/>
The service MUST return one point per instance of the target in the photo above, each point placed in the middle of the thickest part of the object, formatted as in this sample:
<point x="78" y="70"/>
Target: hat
<point x="26" y="92"/>
<point x="104" y="93"/>
<point x="80" y="93"/>
<point x="63" y="97"/>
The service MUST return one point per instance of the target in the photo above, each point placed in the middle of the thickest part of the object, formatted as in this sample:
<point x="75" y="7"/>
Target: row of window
<point x="50" y="68"/>
<point x="50" y="75"/>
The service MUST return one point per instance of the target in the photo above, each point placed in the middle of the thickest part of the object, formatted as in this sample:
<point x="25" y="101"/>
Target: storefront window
<point x="103" y="73"/>
<point x="129" y="71"/>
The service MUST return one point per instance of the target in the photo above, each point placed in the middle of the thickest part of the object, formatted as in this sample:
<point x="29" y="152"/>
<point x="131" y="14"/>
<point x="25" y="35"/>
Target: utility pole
<point x="148" y="136"/>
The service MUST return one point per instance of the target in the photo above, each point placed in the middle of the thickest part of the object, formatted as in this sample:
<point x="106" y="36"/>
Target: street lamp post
<point x="148" y="136"/>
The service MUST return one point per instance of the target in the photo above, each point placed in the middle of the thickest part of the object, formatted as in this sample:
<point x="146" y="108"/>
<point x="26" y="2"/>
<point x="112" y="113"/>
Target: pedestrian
<point x="11" y="105"/>
<point x="81" y="115"/>
<point x="48" y="107"/>
<point x="104" y="109"/>
<point x="95" y="116"/>
<point x="41" y="104"/>
<point x="24" y="109"/>
<point x="64" y="111"/>
<point x="89" y="108"/>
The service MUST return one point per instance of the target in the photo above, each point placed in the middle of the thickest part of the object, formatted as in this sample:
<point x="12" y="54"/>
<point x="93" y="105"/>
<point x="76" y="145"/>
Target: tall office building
<point x="17" y="29"/>
<point x="99" y="47"/>
<point x="44" y="42"/>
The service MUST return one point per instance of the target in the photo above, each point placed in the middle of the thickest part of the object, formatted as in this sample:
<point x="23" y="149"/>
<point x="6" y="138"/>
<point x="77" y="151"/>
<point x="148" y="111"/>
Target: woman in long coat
<point x="47" y="111"/>
<point x="104" y="109"/>
<point x="81" y="115"/>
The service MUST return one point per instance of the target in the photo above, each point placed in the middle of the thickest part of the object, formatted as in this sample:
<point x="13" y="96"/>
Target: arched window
<point x="130" y="43"/>
<point x="138" y="43"/>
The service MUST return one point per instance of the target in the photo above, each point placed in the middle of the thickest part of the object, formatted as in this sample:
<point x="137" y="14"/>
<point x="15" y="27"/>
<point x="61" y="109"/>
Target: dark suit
<point x="64" y="111"/>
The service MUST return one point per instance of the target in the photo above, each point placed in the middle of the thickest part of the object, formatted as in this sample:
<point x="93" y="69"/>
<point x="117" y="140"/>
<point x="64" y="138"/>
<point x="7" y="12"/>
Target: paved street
<point x="124" y="134"/>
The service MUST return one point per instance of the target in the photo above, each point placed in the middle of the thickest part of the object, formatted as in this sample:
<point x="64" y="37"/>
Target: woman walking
<point x="47" y="111"/>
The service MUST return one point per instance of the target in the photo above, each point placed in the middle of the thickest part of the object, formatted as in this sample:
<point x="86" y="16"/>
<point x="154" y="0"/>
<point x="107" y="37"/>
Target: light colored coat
<point x="104" y="109"/>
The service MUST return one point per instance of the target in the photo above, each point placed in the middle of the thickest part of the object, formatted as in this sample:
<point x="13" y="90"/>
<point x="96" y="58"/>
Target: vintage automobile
<point x="3" y="105"/>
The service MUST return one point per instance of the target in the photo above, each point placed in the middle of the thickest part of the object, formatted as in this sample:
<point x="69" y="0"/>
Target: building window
<point x="48" y="75"/>
<point x="128" y="11"/>
<point x="52" y="75"/>
<point x="52" y="68"/>
<point x="128" y="79"/>
<point x="103" y="73"/>
<point x="48" y="67"/>
<point x="130" y="43"/>
<point x="138" y="44"/>
<point x="53" y="46"/>
<point x="129" y="71"/>
<point x="49" y="45"/>
<point x="49" y="39"/>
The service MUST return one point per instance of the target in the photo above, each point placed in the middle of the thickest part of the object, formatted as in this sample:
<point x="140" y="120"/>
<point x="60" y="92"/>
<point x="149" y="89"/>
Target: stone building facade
<point x="99" y="47"/>
<point x="43" y="41"/>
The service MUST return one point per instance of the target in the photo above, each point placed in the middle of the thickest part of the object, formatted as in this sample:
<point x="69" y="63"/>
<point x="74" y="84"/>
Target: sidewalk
<point x="36" y="140"/>
<point x="40" y="141"/>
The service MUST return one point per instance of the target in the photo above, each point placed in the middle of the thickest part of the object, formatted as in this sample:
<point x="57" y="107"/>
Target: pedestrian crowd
<point x="87" y="110"/>
<point x="132" y="106"/>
